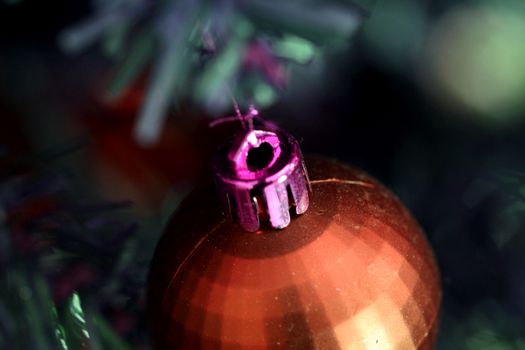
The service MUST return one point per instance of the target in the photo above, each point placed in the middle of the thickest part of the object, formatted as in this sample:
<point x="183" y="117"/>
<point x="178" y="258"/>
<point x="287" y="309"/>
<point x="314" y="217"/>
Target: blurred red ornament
<point x="125" y="169"/>
<point x="354" y="272"/>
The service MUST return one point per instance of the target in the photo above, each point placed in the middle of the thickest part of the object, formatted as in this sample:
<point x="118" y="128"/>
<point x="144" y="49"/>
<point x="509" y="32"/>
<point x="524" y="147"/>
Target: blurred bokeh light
<point x="476" y="56"/>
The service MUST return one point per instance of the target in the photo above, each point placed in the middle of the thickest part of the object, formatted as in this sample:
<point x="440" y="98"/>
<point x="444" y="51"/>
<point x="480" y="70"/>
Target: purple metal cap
<point x="260" y="175"/>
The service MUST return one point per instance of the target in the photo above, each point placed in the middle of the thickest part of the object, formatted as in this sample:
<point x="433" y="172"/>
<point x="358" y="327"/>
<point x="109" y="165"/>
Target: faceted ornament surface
<point x="354" y="272"/>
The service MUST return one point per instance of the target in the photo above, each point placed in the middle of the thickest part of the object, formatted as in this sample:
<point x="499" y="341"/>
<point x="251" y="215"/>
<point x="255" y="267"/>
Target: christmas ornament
<point x="354" y="271"/>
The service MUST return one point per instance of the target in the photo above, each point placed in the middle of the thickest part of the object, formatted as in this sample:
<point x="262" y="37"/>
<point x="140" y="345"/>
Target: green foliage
<point x="200" y="49"/>
<point x="489" y="326"/>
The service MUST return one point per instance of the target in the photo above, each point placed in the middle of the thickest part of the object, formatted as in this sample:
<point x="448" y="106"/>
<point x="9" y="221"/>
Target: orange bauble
<point x="354" y="272"/>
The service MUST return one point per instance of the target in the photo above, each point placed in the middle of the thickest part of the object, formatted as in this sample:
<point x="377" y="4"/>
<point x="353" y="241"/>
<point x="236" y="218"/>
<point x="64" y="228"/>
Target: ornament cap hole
<point x="259" y="157"/>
